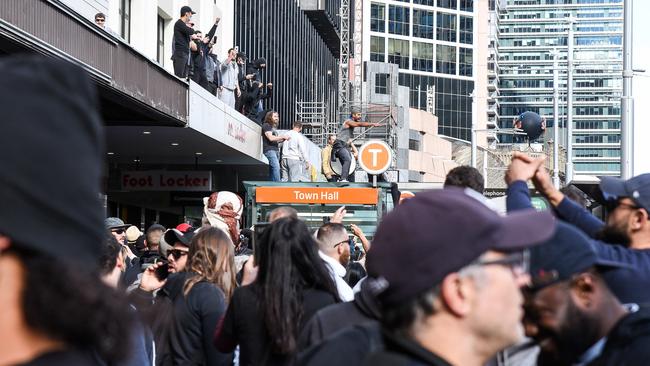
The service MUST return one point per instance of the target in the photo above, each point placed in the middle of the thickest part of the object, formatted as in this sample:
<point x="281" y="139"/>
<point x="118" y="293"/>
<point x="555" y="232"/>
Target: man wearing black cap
<point x="181" y="45"/>
<point x="627" y="224"/>
<point x="344" y="138"/>
<point x="452" y="298"/>
<point x="177" y="256"/>
<point x="55" y="308"/>
<point x="572" y="314"/>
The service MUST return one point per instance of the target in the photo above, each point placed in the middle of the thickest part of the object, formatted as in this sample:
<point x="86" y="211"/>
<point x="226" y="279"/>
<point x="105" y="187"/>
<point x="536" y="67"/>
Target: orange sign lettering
<point x="309" y="195"/>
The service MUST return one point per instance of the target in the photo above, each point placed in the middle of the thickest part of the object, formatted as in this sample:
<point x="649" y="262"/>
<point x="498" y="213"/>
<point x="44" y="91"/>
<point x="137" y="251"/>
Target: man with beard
<point x="344" y="140"/>
<point x="628" y="224"/>
<point x="573" y="315"/>
<point x="334" y="249"/>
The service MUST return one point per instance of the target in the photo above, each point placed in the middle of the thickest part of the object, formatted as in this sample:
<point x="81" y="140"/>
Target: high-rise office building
<point x="529" y="31"/>
<point x="434" y="43"/>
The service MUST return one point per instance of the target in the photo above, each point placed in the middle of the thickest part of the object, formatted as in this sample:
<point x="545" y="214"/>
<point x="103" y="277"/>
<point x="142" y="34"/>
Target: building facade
<point x="300" y="43"/>
<point x="434" y="43"/>
<point x="529" y="31"/>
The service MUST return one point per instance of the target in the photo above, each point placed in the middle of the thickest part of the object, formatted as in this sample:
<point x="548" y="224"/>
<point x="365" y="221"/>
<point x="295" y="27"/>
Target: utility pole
<point x="556" y="119"/>
<point x="474" y="141"/>
<point x="627" y="103"/>
<point x="569" y="104"/>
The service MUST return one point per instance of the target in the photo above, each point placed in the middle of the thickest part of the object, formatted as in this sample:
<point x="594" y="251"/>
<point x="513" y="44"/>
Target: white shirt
<point x="295" y="148"/>
<point x="337" y="271"/>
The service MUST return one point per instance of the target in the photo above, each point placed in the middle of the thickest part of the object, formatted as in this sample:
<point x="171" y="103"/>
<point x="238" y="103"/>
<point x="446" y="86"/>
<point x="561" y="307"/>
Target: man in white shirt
<point x="294" y="156"/>
<point x="334" y="248"/>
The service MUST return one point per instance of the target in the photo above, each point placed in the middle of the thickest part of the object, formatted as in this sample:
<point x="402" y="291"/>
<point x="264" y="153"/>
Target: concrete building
<point x="439" y="43"/>
<point x="529" y="30"/>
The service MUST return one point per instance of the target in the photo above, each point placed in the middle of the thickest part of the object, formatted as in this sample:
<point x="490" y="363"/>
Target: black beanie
<point x="51" y="151"/>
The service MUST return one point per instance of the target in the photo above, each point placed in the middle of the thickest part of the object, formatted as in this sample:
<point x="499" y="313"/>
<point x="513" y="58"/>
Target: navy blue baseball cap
<point x="636" y="188"/>
<point x="568" y="252"/>
<point x="439" y="232"/>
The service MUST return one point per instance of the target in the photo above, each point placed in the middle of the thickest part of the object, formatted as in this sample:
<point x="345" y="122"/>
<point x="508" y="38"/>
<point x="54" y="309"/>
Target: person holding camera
<point x="181" y="46"/>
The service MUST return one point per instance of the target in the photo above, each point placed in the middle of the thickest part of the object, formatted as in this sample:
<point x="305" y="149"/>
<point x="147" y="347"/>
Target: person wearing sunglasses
<point x="177" y="255"/>
<point x="627" y="225"/>
<point x="451" y="270"/>
<point x="571" y="313"/>
<point x="334" y="249"/>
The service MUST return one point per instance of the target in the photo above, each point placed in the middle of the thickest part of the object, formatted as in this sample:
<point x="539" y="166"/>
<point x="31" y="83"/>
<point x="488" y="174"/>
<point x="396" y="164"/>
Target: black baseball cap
<point x="439" y="232"/>
<point x="636" y="188"/>
<point x="173" y="236"/>
<point x="187" y="9"/>
<point x="568" y="252"/>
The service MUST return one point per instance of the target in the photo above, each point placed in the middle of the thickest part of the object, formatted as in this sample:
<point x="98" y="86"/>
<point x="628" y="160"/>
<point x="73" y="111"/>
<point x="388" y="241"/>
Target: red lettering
<point x="196" y="182"/>
<point x="125" y="180"/>
<point x="205" y="182"/>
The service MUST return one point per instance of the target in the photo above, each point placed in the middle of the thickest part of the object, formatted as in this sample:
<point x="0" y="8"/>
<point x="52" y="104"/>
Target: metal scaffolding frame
<point x="344" y="62"/>
<point x="313" y="116"/>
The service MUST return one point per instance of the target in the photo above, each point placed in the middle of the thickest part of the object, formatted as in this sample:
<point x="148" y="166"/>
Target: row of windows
<point x="616" y="83"/>
<point x="447" y="26"/>
<point x="593" y="125"/>
<point x="597" y="139"/>
<point x="597" y="167"/>
<point x="422" y="56"/>
<point x="597" y="153"/>
<point x="462" y="5"/>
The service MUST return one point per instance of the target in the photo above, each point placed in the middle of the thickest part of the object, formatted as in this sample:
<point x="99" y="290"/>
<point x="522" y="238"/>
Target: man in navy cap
<point x="452" y="270"/>
<point x="572" y="314"/>
<point x="628" y="223"/>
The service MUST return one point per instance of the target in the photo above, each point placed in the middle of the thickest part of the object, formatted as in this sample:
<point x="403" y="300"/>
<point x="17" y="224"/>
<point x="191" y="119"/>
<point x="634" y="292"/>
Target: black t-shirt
<point x="268" y="145"/>
<point x="244" y="325"/>
<point x="182" y="35"/>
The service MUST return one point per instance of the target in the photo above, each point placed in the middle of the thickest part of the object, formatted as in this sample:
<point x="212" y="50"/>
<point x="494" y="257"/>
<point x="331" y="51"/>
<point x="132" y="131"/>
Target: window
<point x="377" y="49"/>
<point x="424" y="2"/>
<point x="466" y="29"/>
<point x="398" y="52"/>
<point x="382" y="83"/>
<point x="422" y="56"/>
<point x="446" y="27"/>
<point x="377" y="17"/>
<point x="125" y="19"/>
<point x="160" y="55"/>
<point x="449" y="4"/>
<point x="422" y="23"/>
<point x="414" y="145"/>
<point x="446" y="59"/>
<point x="465" y="56"/>
<point x="467" y="5"/>
<point x="398" y="20"/>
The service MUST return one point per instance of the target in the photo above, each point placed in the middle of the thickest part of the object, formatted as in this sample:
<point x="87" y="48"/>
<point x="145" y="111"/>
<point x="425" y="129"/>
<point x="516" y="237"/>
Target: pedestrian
<point x="55" y="308"/>
<point x="452" y="298"/>
<point x="200" y="56"/>
<point x="177" y="255"/>
<point x="326" y="160"/>
<point x="467" y="177"/>
<point x="334" y="249"/>
<point x="266" y="317"/>
<point x="270" y="144"/>
<point x="117" y="228"/>
<point x="295" y="157"/>
<point x="625" y="236"/>
<point x="344" y="139"/>
<point x="181" y="45"/>
<point x="572" y="314"/>
<point x="229" y="89"/>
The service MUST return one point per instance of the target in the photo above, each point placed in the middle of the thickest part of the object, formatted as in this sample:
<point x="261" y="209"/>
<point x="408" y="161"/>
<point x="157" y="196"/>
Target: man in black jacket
<point x="452" y="298"/>
<point x="181" y="45"/>
<point x="572" y="314"/>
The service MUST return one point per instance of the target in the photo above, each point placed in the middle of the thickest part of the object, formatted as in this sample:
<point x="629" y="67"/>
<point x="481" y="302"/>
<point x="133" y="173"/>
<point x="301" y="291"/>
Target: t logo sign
<point x="375" y="157"/>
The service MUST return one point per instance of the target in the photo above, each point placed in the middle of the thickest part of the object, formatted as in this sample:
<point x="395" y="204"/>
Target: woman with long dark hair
<point x="200" y="295"/>
<point x="292" y="284"/>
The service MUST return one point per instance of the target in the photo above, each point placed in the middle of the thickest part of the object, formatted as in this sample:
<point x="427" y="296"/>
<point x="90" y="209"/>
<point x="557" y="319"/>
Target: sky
<point x="641" y="86"/>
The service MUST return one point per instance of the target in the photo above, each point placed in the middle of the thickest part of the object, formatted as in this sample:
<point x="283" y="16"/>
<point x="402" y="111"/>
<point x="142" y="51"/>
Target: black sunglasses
<point x="612" y="204"/>
<point x="177" y="253"/>
<point x="119" y="231"/>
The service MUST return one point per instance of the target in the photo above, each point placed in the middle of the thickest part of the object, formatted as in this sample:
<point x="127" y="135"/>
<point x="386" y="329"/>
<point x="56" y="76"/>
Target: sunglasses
<point x="613" y="204"/>
<point x="119" y="231"/>
<point x="517" y="262"/>
<point x="177" y="253"/>
<point x="339" y="243"/>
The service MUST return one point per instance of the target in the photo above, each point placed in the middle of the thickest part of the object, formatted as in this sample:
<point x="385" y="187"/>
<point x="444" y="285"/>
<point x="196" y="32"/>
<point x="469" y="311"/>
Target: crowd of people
<point x="445" y="280"/>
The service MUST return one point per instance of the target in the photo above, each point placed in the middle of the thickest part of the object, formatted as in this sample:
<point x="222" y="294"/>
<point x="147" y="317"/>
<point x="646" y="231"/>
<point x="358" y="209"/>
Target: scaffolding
<point x="313" y="116"/>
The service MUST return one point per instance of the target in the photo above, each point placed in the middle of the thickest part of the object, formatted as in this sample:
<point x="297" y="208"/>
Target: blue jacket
<point x="629" y="285"/>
